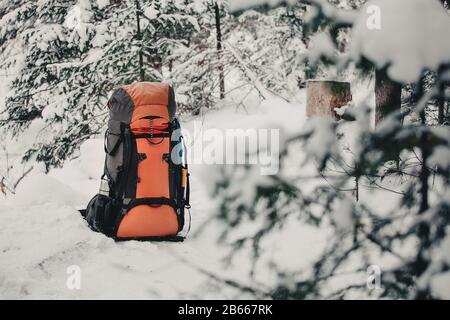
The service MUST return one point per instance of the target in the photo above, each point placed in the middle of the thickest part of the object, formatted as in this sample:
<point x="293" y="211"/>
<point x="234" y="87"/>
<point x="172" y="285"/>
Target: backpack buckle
<point x="142" y="157"/>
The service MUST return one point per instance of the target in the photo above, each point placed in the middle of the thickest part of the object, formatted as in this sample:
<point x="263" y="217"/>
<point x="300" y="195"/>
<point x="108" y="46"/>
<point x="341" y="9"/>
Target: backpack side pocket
<point x="101" y="214"/>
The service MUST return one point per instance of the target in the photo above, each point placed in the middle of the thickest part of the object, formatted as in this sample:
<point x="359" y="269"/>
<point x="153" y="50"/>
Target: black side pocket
<point x="101" y="214"/>
<point x="114" y="146"/>
<point x="180" y="197"/>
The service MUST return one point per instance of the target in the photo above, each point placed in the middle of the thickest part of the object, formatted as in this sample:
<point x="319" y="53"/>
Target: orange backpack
<point x="145" y="185"/>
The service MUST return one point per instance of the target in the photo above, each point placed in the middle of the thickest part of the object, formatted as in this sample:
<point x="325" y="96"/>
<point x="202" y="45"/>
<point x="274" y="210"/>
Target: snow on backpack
<point x="144" y="191"/>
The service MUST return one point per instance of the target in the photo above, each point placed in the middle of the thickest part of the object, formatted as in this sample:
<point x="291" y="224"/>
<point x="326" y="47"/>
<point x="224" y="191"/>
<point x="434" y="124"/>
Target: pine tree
<point x="406" y="155"/>
<point x="270" y="44"/>
<point x="199" y="68"/>
<point x="76" y="52"/>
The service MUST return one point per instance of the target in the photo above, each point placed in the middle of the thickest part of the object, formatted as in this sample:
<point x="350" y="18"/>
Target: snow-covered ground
<point x="43" y="234"/>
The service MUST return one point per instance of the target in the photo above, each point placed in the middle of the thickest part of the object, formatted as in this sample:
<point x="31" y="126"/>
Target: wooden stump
<point x="322" y="97"/>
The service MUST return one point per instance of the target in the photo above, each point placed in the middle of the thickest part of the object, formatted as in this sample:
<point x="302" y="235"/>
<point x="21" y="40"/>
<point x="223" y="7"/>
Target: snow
<point x="330" y="11"/>
<point x="46" y="234"/>
<point x="236" y="5"/>
<point x="151" y="12"/>
<point x="53" y="110"/>
<point x="322" y="141"/>
<point x="90" y="161"/>
<point x="440" y="285"/>
<point x="43" y="36"/>
<point x="413" y="34"/>
<point x="445" y="248"/>
<point x="440" y="158"/>
<point x="321" y="45"/>
<point x="439" y="281"/>
<point x="77" y="19"/>
<point x="342" y="216"/>
<point x="102" y="3"/>
<point x="31" y="193"/>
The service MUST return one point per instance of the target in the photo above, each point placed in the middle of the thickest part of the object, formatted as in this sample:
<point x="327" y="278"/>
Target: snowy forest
<point x="357" y="92"/>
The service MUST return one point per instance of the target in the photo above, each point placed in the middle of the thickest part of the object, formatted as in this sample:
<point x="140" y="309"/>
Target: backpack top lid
<point x="142" y="99"/>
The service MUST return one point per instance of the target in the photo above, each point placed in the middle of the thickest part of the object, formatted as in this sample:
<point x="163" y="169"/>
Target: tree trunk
<point x="423" y="232"/>
<point x="388" y="96"/>
<point x="441" y="106"/>
<point x="441" y="103"/>
<point x="139" y="37"/>
<point x="219" y="50"/>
